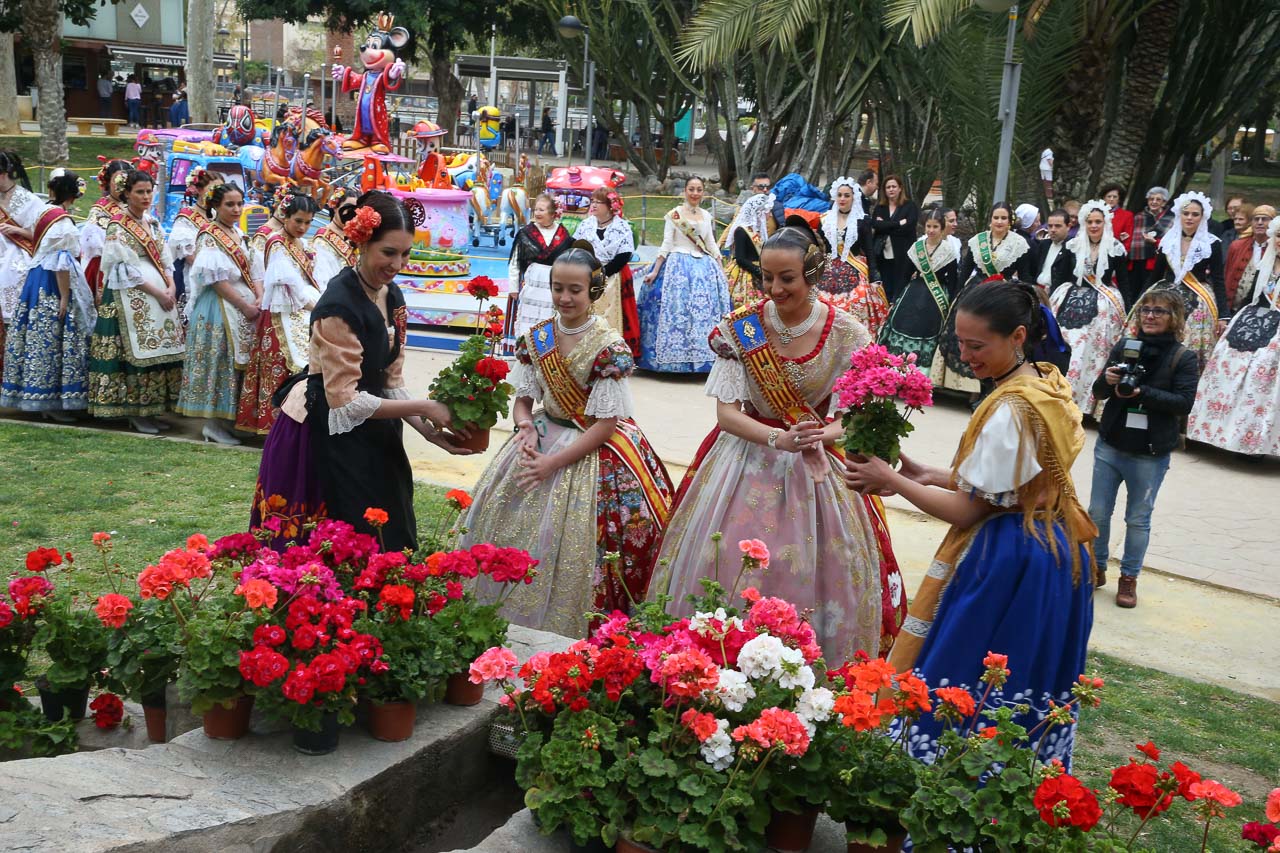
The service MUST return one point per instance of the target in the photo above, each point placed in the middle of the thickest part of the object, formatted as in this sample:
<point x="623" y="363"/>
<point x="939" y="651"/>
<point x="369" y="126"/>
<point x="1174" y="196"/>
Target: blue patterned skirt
<point x="210" y="380"/>
<point x="45" y="368"/>
<point x="1010" y="594"/>
<point x="678" y="312"/>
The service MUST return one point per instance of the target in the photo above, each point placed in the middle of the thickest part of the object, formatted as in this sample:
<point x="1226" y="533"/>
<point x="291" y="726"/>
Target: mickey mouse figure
<point x="383" y="72"/>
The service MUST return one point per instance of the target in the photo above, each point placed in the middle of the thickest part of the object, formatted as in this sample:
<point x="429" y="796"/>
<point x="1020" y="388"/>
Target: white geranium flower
<point x="701" y="623"/>
<point x="761" y="657"/>
<point x="815" y="705"/>
<point x="717" y="750"/>
<point x="793" y="671"/>
<point x="734" y="690"/>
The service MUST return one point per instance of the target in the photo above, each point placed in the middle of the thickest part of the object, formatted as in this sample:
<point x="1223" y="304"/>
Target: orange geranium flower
<point x="376" y="517"/>
<point x="258" y="593"/>
<point x="459" y="498"/>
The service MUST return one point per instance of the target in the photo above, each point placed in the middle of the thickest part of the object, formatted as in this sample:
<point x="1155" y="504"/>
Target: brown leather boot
<point x="1127" y="594"/>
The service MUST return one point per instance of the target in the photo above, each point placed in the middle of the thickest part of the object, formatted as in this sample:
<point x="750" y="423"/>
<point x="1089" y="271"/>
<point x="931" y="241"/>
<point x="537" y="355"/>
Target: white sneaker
<point x="144" y="425"/>
<point x="217" y="433"/>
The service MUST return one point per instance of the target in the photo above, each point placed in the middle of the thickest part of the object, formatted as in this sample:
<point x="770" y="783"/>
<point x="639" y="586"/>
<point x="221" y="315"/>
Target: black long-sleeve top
<point x="891" y="226"/>
<point x="1208" y="271"/>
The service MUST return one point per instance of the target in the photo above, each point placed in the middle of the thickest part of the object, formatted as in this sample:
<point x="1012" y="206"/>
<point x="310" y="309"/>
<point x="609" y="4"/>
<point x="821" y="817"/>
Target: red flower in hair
<point x="361" y="226"/>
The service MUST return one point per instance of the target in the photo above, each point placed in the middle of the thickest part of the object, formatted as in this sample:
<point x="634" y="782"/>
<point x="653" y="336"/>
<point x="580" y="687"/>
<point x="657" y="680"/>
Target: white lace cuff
<point x="1004" y="500"/>
<point x="121" y="268"/>
<point x="525" y="380"/>
<point x="400" y="393"/>
<point x="348" y="417"/>
<point x="57" y="261"/>
<point x="610" y="398"/>
<point x="727" y="381"/>
<point x="212" y="266"/>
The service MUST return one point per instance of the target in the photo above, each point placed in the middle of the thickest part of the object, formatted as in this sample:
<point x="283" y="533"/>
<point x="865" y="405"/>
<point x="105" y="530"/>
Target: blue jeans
<point x="548" y="141"/>
<point x="135" y="111"/>
<point x="1142" y="476"/>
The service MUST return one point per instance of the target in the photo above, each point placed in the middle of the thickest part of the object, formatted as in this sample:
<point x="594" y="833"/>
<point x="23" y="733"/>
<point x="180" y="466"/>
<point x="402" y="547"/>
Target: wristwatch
<point x="773" y="438"/>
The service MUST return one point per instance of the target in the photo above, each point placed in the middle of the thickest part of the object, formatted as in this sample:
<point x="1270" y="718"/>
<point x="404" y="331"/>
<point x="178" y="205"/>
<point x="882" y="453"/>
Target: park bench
<point x="84" y="126"/>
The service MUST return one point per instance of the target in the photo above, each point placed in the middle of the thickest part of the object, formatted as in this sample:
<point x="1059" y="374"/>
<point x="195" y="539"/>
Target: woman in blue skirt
<point x="44" y="361"/>
<point x="1014" y="575"/>
<point x="685" y="293"/>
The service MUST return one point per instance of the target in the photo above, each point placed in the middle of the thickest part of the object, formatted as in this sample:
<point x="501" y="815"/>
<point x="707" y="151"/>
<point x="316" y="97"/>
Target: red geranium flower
<point x="1136" y="784"/>
<point x="482" y="287"/>
<point x="493" y="369"/>
<point x="108" y="710"/>
<point x="459" y="498"/>
<point x="376" y="517"/>
<point x="113" y="609"/>
<point x="263" y="665"/>
<point x="42" y="558"/>
<point x="1150" y="750"/>
<point x="1065" y="801"/>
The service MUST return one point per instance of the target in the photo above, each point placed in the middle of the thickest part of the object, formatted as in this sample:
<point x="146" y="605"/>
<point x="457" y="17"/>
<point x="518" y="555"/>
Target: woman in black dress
<point x="917" y="318"/>
<point x="894" y="223"/>
<point x="338" y="449"/>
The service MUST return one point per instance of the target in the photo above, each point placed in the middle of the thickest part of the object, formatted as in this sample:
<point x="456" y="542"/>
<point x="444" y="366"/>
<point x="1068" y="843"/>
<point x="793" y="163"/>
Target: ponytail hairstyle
<point x="214" y="194"/>
<point x="11" y="165"/>
<point x="800" y="239"/>
<point x="63" y="186"/>
<point x="297" y="203"/>
<point x="108" y="171"/>
<point x="378" y="213"/>
<point x="582" y="254"/>
<point x="1006" y="305"/>
<point x="122" y="183"/>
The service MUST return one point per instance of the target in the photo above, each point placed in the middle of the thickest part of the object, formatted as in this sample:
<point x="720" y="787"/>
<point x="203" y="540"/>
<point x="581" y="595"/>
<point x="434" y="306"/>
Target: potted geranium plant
<point x="870" y="392"/>
<point x="472" y="386"/>
<point x="70" y="636"/>
<point x="27" y="595"/>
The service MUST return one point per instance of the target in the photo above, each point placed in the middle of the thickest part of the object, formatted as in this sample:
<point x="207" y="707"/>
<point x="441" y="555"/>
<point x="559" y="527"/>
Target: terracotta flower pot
<point x="221" y="723"/>
<point x="460" y="691"/>
<point x="322" y="742"/>
<point x="478" y="442"/>
<point x="897" y="837"/>
<point x="626" y="845"/>
<point x="392" y="721"/>
<point x="788" y="831"/>
<point x="157" y="719"/>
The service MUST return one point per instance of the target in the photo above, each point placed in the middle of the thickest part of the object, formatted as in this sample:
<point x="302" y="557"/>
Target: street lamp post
<point x="223" y="33"/>
<point x="571" y="27"/>
<point x="1008" y="111"/>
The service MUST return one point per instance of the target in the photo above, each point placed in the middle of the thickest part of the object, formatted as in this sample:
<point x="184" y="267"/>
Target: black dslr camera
<point x="1131" y="372"/>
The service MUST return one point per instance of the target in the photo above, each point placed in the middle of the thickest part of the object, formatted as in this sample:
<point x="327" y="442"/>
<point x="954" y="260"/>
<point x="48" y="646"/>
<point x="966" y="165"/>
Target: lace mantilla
<point x="842" y="244"/>
<point x="1201" y="242"/>
<point x="754" y="215"/>
<point x="617" y="237"/>
<point x="948" y="250"/>
<point x="285" y="288"/>
<point x="1108" y="247"/>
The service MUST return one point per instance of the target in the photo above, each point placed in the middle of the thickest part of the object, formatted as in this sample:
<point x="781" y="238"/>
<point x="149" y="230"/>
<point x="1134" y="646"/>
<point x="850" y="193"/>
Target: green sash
<point x="930" y="275"/>
<point x="986" y="257"/>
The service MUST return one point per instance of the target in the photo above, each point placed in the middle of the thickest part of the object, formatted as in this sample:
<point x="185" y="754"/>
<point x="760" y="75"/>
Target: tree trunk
<point x="1218" y="177"/>
<point x="200" y="28"/>
<point x="1144" y="74"/>
<point x="42" y="31"/>
<point x="8" y="87"/>
<point x="448" y="90"/>
<point x="1257" y="149"/>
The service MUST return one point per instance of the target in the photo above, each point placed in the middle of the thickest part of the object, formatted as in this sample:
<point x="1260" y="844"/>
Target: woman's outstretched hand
<point x="869" y="475"/>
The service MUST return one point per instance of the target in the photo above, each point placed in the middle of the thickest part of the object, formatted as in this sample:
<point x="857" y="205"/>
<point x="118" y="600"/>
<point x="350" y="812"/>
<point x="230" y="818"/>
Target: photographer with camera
<point x="1149" y="386"/>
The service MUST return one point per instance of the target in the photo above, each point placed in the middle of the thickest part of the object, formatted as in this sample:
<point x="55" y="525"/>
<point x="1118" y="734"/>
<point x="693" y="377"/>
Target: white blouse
<point x="285" y="287"/>
<point x="212" y="265"/>
<point x="1003" y="459"/>
<point x="675" y="240"/>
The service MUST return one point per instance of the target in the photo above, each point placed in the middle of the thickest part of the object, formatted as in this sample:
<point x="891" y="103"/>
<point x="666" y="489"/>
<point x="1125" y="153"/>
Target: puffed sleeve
<point x="91" y="240"/>
<point x="338" y="352"/>
<point x="212" y="265"/>
<point x="121" y="266"/>
<point x="285" y="287"/>
<point x="524" y="376"/>
<point x="25" y="209"/>
<point x="182" y="238"/>
<point x="58" y="249"/>
<point x="610" y="389"/>
<point x="1003" y="459"/>
<point x="727" y="381"/>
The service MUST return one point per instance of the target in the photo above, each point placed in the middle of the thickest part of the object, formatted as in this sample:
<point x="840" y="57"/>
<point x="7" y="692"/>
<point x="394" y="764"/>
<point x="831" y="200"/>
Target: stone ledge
<point x="256" y="794"/>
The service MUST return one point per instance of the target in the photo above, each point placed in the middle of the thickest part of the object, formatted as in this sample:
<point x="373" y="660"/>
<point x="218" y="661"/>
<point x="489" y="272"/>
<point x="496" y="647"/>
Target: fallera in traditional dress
<point x="15" y="253"/>
<point x="917" y="318"/>
<point x="45" y="367"/>
<point x="93" y="235"/>
<point x="325" y="455"/>
<point x="1198" y="276"/>
<point x="755" y="217"/>
<point x="1090" y="312"/>
<point x="1008" y="258"/>
<point x="851" y="280"/>
<point x="183" y="234"/>
<point x="616" y="499"/>
<point x="281" y="335"/>
<point x="219" y="337"/>
<point x="332" y="254"/>
<point x="614" y="244"/>
<point x="535" y="251"/>
<point x="1015" y="583"/>
<point x="685" y="301"/>
<point x="1237" y="405"/>
<point x="138" y="348"/>
<point x="829" y="547"/>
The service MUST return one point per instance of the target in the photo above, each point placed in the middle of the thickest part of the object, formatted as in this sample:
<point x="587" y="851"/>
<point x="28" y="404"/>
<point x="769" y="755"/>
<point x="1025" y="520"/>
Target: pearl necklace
<point x="786" y="333"/>
<point x="576" y="330"/>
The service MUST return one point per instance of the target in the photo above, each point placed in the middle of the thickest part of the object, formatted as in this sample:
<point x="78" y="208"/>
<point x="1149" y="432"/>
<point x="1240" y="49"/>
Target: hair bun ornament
<point x="615" y="203"/>
<point x="206" y="197"/>
<point x="362" y="225"/>
<point x="118" y="181"/>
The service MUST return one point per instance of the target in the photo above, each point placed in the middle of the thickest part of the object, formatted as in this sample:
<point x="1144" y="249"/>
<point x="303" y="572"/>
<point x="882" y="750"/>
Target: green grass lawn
<point x="63" y="485"/>
<point x="84" y="159"/>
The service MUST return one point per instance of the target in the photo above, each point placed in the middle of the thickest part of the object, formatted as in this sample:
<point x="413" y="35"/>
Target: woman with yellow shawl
<point x="1014" y="574"/>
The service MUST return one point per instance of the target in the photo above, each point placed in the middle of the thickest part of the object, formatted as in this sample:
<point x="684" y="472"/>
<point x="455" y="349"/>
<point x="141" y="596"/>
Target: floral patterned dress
<point x="1090" y="312"/>
<point x="1237" y="406"/>
<point x="827" y="554"/>
<point x="615" y="499"/>
<point x="851" y="280"/>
